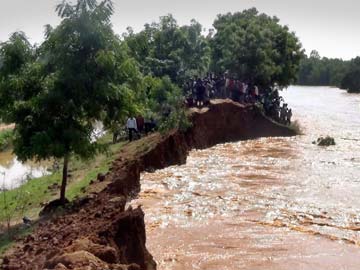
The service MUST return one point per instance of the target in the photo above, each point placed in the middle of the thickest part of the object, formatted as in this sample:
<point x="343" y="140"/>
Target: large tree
<point x="255" y="48"/>
<point x="167" y="49"/>
<point x="76" y="76"/>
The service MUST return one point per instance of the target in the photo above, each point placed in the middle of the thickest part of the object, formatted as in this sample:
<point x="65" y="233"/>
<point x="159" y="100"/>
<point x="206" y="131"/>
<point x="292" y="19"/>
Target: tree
<point x="15" y="54"/>
<point x="166" y="102"/>
<point x="57" y="96"/>
<point x="316" y="70"/>
<point x="255" y="48"/>
<point x="351" y="80"/>
<point x="132" y="96"/>
<point x="315" y="55"/>
<point x="166" y="49"/>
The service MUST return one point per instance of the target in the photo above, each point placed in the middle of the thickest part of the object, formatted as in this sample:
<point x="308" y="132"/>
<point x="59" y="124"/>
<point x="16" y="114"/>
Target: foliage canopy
<point x="79" y="72"/>
<point x="167" y="49"/>
<point x="351" y="80"/>
<point x="316" y="70"/>
<point x="255" y="48"/>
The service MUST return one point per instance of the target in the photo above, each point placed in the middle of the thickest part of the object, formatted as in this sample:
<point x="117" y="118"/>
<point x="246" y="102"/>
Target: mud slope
<point x="97" y="232"/>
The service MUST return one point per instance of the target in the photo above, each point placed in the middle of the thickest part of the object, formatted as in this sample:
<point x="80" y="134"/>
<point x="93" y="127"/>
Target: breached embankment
<point x="97" y="232"/>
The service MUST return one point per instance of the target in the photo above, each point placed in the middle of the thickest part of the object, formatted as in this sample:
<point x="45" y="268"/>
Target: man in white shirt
<point x="131" y="125"/>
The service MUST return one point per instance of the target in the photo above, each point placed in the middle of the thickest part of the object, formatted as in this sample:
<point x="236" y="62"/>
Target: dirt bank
<point x="98" y="232"/>
<point x="4" y="127"/>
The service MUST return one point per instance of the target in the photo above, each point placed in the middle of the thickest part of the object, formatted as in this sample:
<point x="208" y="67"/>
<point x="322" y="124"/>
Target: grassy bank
<point x="29" y="199"/>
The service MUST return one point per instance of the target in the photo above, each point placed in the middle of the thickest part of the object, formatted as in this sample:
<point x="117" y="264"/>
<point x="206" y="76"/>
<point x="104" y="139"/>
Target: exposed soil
<point x="3" y="126"/>
<point x="98" y="232"/>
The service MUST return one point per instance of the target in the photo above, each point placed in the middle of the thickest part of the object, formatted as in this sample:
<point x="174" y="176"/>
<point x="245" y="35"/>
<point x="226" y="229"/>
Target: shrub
<point x="6" y="138"/>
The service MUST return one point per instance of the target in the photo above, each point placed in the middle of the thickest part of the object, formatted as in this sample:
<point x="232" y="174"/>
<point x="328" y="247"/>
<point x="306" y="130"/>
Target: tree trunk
<point x="64" y="179"/>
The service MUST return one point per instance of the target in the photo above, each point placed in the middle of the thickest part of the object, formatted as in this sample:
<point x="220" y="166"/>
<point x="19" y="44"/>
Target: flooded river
<point x="270" y="203"/>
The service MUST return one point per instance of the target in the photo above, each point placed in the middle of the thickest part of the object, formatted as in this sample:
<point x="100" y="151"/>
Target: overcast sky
<point x="329" y="26"/>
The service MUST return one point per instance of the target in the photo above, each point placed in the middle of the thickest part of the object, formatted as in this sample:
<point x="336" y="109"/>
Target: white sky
<point x="329" y="26"/>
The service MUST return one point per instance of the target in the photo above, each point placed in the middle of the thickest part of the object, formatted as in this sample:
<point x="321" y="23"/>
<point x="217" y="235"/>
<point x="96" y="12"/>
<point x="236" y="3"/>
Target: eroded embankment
<point x="97" y="232"/>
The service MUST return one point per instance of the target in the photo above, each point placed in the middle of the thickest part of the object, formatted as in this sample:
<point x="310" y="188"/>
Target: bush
<point x="6" y="138"/>
<point x="166" y="102"/>
<point x="325" y="141"/>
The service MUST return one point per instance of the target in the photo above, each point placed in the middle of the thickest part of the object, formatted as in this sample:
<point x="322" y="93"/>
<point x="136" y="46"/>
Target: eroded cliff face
<point x="98" y="232"/>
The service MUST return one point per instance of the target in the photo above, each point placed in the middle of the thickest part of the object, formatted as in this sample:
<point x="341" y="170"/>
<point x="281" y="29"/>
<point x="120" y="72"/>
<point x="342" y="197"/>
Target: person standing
<point x="288" y="117"/>
<point x="243" y="92"/>
<point x="131" y="125"/>
<point x="200" y="93"/>
<point x="283" y="114"/>
<point x="256" y="93"/>
<point x="140" y="124"/>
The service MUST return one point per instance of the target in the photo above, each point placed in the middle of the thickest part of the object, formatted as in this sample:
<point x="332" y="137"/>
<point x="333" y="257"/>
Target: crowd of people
<point x="199" y="92"/>
<point x="271" y="102"/>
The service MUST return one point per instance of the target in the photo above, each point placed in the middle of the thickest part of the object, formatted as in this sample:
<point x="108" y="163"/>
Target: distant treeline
<point x="323" y="71"/>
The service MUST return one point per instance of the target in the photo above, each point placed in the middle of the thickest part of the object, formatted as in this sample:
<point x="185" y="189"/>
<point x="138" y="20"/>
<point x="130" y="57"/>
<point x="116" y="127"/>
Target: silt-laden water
<point x="270" y="203"/>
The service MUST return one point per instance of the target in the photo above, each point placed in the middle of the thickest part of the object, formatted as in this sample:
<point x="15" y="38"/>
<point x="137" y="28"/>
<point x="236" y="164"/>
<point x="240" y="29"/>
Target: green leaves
<point x="166" y="49"/>
<point x="351" y="80"/>
<point x="64" y="9"/>
<point x="317" y="70"/>
<point x="80" y="74"/>
<point x="166" y="102"/>
<point x="101" y="11"/>
<point x="106" y="61"/>
<point x="255" y="48"/>
<point x="14" y="54"/>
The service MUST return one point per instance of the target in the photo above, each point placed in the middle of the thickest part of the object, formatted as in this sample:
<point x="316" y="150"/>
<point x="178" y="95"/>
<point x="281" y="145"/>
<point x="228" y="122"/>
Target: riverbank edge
<point x="101" y="218"/>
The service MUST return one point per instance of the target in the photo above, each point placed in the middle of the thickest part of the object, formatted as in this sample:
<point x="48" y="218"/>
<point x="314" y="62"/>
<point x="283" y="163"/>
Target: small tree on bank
<point x="55" y="99"/>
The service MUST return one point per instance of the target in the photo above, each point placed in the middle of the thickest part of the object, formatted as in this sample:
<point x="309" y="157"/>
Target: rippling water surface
<point x="271" y="203"/>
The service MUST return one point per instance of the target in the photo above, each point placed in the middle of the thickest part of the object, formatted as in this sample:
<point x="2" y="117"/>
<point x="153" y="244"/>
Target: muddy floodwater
<point x="270" y="203"/>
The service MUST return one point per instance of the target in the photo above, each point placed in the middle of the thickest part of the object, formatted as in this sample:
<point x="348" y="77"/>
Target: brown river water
<point x="270" y="203"/>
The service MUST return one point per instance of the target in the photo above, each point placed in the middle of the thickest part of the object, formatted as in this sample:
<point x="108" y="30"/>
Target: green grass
<point x="100" y="164"/>
<point x="6" y="137"/>
<point x="6" y="242"/>
<point x="29" y="199"/>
